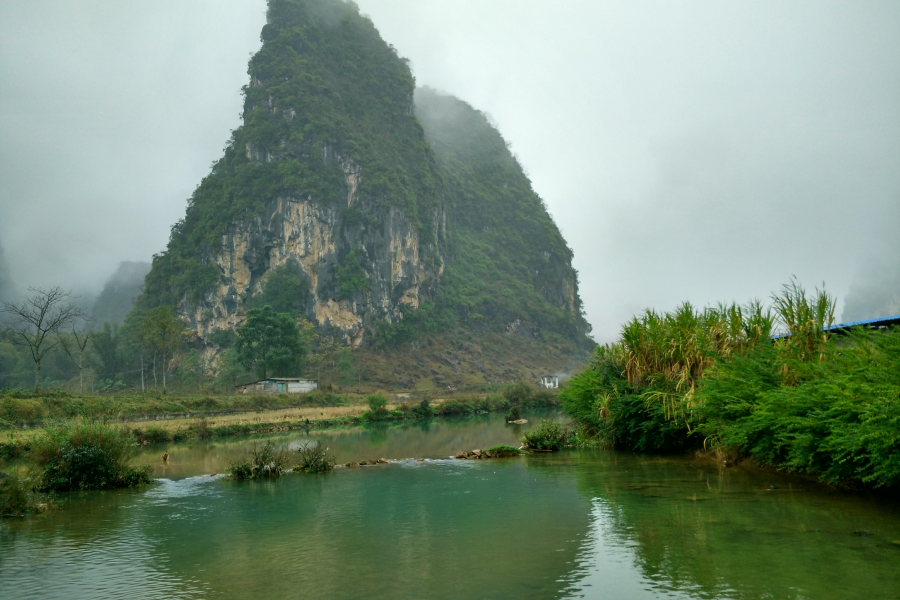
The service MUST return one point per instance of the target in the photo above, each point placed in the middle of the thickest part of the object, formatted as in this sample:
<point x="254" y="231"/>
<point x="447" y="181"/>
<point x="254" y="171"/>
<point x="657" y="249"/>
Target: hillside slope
<point x="119" y="293"/>
<point x="424" y="248"/>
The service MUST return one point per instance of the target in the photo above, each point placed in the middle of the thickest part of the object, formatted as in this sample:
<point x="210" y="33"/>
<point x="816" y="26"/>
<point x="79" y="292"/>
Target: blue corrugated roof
<point x="871" y="323"/>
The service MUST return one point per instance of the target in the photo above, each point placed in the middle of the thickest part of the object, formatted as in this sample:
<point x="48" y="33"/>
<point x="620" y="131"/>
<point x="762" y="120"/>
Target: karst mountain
<point x="395" y="219"/>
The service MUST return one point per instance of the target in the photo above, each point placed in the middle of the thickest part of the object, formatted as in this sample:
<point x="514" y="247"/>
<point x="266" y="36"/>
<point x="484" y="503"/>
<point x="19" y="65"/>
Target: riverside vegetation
<point x="78" y="454"/>
<point x="266" y="461"/>
<point x="72" y="457"/>
<point x="808" y="402"/>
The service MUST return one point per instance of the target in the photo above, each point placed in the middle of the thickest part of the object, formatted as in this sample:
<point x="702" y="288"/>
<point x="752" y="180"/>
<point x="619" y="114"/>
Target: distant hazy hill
<point x="118" y="295"/>
<point x="7" y="291"/>
<point x="508" y="268"/>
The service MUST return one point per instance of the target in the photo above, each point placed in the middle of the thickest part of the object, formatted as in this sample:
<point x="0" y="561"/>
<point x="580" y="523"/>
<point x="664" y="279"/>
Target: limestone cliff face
<point x="375" y="197"/>
<point x="330" y="173"/>
<point x="398" y="269"/>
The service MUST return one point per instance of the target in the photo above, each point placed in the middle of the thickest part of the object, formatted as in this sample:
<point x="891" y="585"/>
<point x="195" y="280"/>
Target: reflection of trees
<point x="718" y="534"/>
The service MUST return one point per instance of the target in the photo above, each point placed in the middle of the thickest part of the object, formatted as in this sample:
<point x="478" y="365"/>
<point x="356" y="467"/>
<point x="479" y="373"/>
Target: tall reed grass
<point x="719" y="378"/>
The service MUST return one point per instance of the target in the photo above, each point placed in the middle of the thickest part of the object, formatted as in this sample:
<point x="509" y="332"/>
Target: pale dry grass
<point x="313" y="413"/>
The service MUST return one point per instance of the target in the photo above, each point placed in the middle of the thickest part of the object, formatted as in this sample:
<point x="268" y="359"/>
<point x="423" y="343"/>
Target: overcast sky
<point x="698" y="151"/>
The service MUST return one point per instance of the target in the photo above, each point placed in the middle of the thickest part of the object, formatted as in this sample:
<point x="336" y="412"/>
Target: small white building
<point x="550" y="382"/>
<point x="279" y="385"/>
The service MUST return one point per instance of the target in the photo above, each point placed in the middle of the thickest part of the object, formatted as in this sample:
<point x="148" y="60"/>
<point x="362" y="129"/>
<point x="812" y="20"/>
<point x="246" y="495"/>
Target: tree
<point x="74" y="346"/>
<point x="161" y="331"/>
<point x="106" y="343"/>
<point x="286" y="289"/>
<point x="37" y="322"/>
<point x="271" y="342"/>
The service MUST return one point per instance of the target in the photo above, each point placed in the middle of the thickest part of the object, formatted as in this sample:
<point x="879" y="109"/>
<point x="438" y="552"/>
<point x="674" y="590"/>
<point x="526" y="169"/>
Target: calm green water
<point x="579" y="524"/>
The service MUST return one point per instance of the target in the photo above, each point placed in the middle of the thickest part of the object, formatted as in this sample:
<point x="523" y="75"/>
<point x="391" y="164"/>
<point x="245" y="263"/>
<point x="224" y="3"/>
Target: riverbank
<point x="310" y="415"/>
<point x="809" y="403"/>
<point x="604" y="518"/>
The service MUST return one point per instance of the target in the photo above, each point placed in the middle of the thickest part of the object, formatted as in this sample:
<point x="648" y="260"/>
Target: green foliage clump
<point x="271" y="343"/>
<point x="424" y="410"/>
<point x="458" y="407"/>
<point x="325" y="90"/>
<point x="265" y="461"/>
<point x="17" y="498"/>
<point x="351" y="276"/>
<point x="805" y="401"/>
<point x="315" y="458"/>
<point x="551" y="435"/>
<point x="838" y="418"/>
<point x="415" y="323"/>
<point x="86" y="457"/>
<point x="377" y="402"/>
<point x="639" y="393"/>
<point x="224" y="338"/>
<point x="152" y="435"/>
<point x="518" y="393"/>
<point x="286" y="290"/>
<point x="515" y="412"/>
<point x="377" y="408"/>
<point x="504" y="450"/>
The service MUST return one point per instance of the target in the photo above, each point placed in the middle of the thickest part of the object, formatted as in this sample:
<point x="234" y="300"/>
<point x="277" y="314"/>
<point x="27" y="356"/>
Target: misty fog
<point x="698" y="151"/>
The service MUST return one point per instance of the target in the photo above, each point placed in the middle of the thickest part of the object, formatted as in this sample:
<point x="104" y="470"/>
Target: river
<point x="572" y="524"/>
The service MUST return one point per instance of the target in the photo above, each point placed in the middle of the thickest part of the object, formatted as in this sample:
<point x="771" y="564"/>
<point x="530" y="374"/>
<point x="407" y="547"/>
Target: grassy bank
<point x="811" y="403"/>
<point x="19" y="407"/>
<point x="17" y="444"/>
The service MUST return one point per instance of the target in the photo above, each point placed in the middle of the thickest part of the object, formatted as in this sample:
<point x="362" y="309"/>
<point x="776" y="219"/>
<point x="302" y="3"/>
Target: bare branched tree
<point x="38" y="320"/>
<point x="75" y="346"/>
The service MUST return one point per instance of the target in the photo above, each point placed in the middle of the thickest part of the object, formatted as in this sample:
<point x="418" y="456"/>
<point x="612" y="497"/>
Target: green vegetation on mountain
<point x="324" y="90"/>
<point x="507" y="263"/>
<point x="412" y="231"/>
<point x="350" y="277"/>
<point x="119" y="293"/>
<point x="286" y="290"/>
<point x="271" y="343"/>
<point x="807" y="402"/>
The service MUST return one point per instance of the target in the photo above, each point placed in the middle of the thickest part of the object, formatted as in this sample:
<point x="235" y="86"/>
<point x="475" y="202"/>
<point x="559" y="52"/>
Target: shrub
<point x="13" y="448"/>
<point x="315" y="458"/>
<point x="457" y="407"/>
<point x="377" y="410"/>
<point x="264" y="461"/>
<point x="377" y="402"/>
<point x="495" y="402"/>
<point x="515" y="413"/>
<point x="17" y="498"/>
<point x="839" y="419"/>
<point x="549" y="436"/>
<point x="502" y="450"/>
<point x="200" y="429"/>
<point x="518" y="393"/>
<point x="153" y="435"/>
<point x="86" y="457"/>
<point x="424" y="410"/>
